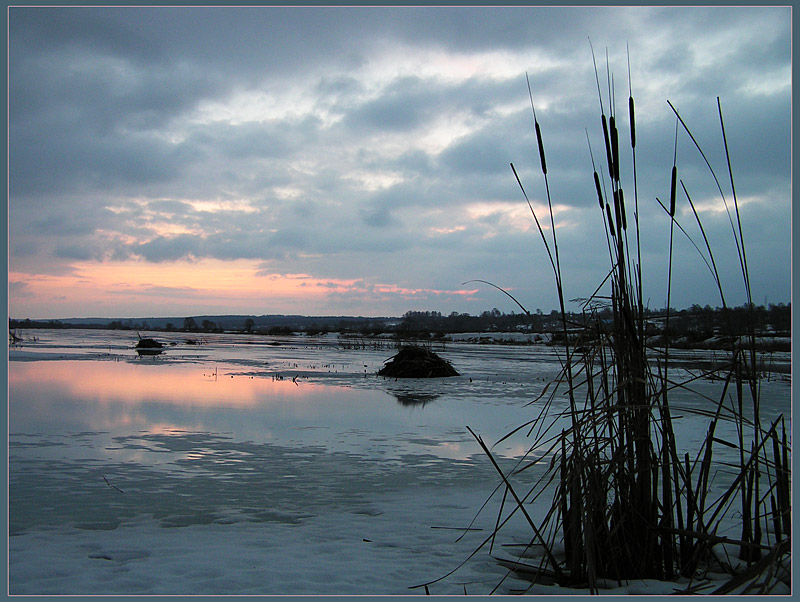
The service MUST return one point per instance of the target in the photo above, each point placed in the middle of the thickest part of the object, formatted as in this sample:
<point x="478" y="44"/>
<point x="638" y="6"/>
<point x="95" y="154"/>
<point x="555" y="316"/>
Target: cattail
<point x="622" y="210"/>
<point x="633" y="122"/>
<point x="610" y="220"/>
<point x="672" y="191"/>
<point x="608" y="147"/>
<point x="541" y="147"/>
<point x="599" y="190"/>
<point x="614" y="147"/>
<point x="674" y="182"/>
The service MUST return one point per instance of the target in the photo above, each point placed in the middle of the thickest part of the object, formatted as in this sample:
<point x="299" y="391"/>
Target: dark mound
<point x="148" y="344"/>
<point x="413" y="361"/>
<point x="148" y="347"/>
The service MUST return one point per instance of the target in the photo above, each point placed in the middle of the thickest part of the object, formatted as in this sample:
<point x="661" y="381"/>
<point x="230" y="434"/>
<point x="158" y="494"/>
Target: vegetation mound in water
<point x="148" y="347"/>
<point x="414" y="361"/>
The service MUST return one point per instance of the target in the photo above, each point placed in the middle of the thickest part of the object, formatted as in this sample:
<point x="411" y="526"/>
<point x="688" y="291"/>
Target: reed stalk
<point x="626" y="503"/>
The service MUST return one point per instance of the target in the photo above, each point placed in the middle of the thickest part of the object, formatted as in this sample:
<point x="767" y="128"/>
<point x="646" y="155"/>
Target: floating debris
<point x="415" y="361"/>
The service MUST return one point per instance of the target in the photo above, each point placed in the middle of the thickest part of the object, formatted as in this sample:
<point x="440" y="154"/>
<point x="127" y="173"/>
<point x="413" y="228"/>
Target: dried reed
<point x="626" y="504"/>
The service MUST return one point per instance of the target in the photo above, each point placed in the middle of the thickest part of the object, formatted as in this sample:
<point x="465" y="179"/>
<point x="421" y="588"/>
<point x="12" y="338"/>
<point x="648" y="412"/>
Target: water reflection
<point x="56" y="399"/>
<point x="153" y="382"/>
<point x="411" y="398"/>
<point x="52" y="400"/>
<point x="149" y="351"/>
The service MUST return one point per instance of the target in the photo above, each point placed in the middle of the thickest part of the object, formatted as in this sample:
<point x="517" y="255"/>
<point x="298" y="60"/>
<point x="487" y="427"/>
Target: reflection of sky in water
<point x="190" y="447"/>
<point x="187" y="446"/>
<point x="115" y="399"/>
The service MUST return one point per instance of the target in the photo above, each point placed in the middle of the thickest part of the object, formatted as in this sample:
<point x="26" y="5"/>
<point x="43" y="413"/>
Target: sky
<point x="356" y="161"/>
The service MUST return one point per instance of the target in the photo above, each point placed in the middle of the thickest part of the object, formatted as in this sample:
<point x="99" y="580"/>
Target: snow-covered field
<point x="255" y="465"/>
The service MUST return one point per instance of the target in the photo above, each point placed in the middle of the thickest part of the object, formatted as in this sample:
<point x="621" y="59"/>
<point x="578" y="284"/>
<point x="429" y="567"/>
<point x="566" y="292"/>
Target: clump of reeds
<point x="147" y="346"/>
<point x="417" y="361"/>
<point x="627" y="503"/>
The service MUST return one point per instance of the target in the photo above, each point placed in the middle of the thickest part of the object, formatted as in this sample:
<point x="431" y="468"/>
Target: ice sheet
<point x="238" y="466"/>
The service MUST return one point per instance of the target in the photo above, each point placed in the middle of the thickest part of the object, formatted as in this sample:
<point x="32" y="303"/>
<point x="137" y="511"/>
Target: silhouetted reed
<point x="626" y="502"/>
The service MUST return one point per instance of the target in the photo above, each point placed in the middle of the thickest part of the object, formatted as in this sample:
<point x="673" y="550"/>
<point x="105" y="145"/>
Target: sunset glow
<point x="185" y="287"/>
<point x="241" y="282"/>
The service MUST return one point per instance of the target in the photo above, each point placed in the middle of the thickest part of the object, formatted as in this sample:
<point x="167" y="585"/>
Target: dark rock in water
<point x="414" y="361"/>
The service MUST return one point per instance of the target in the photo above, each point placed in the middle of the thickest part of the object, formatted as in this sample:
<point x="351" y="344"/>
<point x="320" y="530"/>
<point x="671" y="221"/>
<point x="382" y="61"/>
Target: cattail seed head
<point x="614" y="147"/>
<point x="599" y="190"/>
<point x="672" y="191"/>
<point x="610" y="220"/>
<point x="622" y="210"/>
<point x="541" y="147"/>
<point x="608" y="146"/>
<point x="633" y="122"/>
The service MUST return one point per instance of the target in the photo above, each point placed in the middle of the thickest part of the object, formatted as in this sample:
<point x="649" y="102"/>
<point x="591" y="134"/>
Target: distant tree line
<point x="699" y="321"/>
<point x="706" y="322"/>
<point x="695" y="322"/>
<point x="28" y="323"/>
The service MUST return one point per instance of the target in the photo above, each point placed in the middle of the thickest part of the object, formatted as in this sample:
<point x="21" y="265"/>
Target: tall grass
<point x="627" y="503"/>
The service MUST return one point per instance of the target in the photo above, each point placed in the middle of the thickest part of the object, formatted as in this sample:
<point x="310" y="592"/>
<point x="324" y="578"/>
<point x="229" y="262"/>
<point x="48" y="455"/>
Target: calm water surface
<point x="309" y="421"/>
<point x="236" y="430"/>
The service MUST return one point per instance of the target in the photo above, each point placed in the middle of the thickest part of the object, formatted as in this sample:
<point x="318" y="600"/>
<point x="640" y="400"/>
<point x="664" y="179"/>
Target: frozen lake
<point x="261" y="465"/>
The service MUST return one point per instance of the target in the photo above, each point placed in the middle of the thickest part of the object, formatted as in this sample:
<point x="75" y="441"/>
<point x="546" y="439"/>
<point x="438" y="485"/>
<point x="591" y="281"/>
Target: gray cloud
<point x="403" y="106"/>
<point x="319" y="139"/>
<point x="479" y="153"/>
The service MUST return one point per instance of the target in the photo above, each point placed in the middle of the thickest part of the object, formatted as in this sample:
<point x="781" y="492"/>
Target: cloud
<point x="479" y="153"/>
<point x="354" y="144"/>
<point x="20" y="290"/>
<point x="171" y="248"/>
